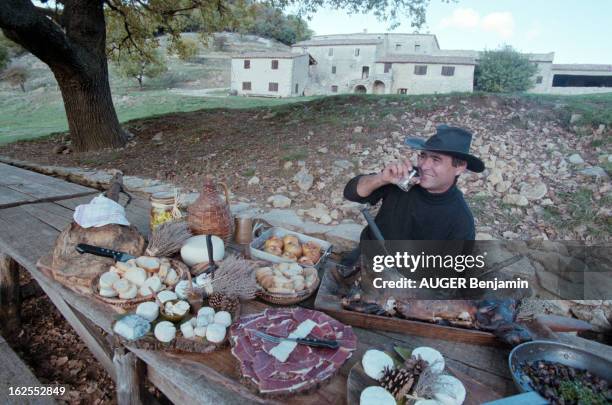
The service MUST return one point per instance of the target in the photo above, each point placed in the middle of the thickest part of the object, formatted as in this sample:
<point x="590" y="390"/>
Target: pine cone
<point x="222" y="302"/>
<point x="415" y="365"/>
<point x="398" y="381"/>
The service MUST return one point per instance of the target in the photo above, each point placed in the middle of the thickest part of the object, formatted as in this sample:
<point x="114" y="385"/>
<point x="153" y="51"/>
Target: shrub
<point x="504" y="70"/>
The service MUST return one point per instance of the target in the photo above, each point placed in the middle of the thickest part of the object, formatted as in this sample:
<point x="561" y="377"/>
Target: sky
<point x="578" y="31"/>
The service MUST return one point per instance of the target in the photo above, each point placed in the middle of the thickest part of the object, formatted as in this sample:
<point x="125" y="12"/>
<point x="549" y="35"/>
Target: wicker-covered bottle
<point x="210" y="213"/>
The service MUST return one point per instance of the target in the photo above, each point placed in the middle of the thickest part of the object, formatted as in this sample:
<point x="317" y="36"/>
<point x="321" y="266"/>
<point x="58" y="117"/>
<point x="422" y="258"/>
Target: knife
<point x="330" y="344"/>
<point x="100" y="251"/>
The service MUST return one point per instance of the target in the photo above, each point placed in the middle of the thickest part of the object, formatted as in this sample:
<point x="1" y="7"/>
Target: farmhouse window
<point x="296" y="88"/>
<point x="333" y="70"/>
<point x="246" y="85"/>
<point x="398" y="47"/>
<point x="402" y="91"/>
<point x="387" y="67"/>
<point x="330" y="52"/>
<point x="274" y="64"/>
<point x="334" y="89"/>
<point x="247" y="64"/>
<point x="272" y="86"/>
<point x="420" y="70"/>
<point x="365" y="72"/>
<point x="448" y="71"/>
<point x="539" y="79"/>
<point x="417" y="47"/>
<point x="356" y="51"/>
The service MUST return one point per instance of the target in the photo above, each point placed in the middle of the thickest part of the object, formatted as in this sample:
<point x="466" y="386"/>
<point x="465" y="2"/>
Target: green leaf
<point x="403" y="352"/>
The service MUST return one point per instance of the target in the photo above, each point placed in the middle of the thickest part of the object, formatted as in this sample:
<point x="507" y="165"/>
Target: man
<point x="434" y="208"/>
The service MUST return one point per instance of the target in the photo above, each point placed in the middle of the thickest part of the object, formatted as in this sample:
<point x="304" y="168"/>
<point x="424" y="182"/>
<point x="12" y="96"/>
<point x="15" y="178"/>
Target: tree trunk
<point x="91" y="115"/>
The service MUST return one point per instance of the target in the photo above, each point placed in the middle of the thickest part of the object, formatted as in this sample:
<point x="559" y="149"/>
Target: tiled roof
<point x="593" y="68"/>
<point x="268" y="55"/>
<point x="328" y="42"/>
<point x="456" y="60"/>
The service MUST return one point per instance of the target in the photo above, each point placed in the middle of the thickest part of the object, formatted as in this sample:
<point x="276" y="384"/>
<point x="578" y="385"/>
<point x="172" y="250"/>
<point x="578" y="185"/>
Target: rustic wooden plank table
<point x="19" y="186"/>
<point x="28" y="232"/>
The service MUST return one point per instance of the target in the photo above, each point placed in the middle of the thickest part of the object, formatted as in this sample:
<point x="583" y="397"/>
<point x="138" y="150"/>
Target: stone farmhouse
<point x="391" y="64"/>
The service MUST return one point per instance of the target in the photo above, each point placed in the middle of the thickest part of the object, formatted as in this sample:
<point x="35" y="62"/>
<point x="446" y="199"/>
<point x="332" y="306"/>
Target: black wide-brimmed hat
<point x="451" y="141"/>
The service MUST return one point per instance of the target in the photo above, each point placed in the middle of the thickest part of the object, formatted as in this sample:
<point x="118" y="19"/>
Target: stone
<point x="57" y="149"/>
<point x="303" y="179"/>
<point x="66" y="151"/>
<point x="495" y="177"/>
<point x="516" y="199"/>
<point x="317" y="212"/>
<point x="323" y="150"/>
<point x="344" y="237"/>
<point x="576" y="159"/>
<point x="288" y="165"/>
<point x="283" y="218"/>
<point x="157" y="138"/>
<point x="325" y="219"/>
<point x="279" y="201"/>
<point x="390" y="117"/>
<point x="253" y="181"/>
<point x="594" y="171"/>
<point x="510" y="235"/>
<point x="533" y="191"/>
<point x="428" y="126"/>
<point x="503" y="186"/>
<point x="484" y="236"/>
<point x="343" y="164"/>
<point x="600" y="129"/>
<point x="358" y="130"/>
<point x="575" y="118"/>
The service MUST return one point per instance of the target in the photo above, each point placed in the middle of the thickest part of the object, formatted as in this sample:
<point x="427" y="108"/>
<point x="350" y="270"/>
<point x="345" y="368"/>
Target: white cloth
<point x="99" y="212"/>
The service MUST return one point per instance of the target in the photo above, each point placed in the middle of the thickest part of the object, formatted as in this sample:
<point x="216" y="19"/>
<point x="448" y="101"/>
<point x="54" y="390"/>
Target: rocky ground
<point x="547" y="167"/>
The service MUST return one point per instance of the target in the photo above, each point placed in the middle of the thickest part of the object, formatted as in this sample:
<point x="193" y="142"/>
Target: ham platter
<point x="301" y="368"/>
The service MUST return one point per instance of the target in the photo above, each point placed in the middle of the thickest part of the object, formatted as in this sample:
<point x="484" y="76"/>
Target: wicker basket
<point x="210" y="213"/>
<point x="122" y="304"/>
<point x="179" y="344"/>
<point x="289" y="299"/>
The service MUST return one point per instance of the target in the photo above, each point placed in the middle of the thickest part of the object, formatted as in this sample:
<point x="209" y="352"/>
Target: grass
<point x="595" y="109"/>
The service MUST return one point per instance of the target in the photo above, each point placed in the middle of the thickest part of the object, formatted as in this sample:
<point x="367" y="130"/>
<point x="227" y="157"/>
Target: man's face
<point x="437" y="171"/>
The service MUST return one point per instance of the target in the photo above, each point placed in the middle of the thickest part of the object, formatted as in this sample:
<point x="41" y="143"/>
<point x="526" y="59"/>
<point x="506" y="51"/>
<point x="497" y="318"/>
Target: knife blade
<point x="330" y="344"/>
<point x="105" y="252"/>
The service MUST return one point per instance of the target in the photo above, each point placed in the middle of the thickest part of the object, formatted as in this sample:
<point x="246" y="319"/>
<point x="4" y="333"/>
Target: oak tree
<point x="75" y="37"/>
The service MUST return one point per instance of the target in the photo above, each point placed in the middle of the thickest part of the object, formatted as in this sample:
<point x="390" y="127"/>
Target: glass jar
<point x="162" y="204"/>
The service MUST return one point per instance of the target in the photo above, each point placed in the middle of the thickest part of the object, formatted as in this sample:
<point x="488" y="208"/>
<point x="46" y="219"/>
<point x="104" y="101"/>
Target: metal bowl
<point x="555" y="352"/>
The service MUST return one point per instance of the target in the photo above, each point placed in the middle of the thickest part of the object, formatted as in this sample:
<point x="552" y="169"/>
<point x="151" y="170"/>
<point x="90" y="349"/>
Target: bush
<point x="4" y="57"/>
<point x="16" y="76"/>
<point x="138" y="66"/>
<point x="503" y="71"/>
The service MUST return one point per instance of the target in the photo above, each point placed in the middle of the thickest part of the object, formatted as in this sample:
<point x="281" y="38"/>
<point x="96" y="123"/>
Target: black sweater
<point x="417" y="214"/>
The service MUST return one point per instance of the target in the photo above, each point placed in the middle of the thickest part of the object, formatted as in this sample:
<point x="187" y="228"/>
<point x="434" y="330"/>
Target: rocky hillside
<point x="548" y="159"/>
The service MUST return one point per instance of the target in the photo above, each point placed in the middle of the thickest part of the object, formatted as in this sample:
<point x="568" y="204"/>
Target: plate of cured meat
<point x="282" y="368"/>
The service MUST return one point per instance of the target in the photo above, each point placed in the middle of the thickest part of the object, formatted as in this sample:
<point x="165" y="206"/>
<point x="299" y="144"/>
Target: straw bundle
<point x="168" y="238"/>
<point x="235" y="277"/>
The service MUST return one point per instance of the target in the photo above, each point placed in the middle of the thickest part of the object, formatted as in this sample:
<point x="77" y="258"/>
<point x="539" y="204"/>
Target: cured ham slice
<point x="305" y="367"/>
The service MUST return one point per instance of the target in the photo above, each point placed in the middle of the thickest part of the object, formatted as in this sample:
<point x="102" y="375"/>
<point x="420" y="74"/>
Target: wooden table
<point x="28" y="232"/>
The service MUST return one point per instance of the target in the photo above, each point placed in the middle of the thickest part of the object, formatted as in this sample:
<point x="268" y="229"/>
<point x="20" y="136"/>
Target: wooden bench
<point x="14" y="373"/>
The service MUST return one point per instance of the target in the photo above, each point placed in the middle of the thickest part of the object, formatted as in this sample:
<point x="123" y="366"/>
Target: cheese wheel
<point x="165" y="331"/>
<point x="187" y="330"/>
<point x="150" y="264"/>
<point x="223" y="318"/>
<point x="374" y="362"/>
<point x="194" y="250"/>
<point x="166" y="295"/>
<point x="131" y="292"/>
<point x="202" y="320"/>
<point x="154" y="283"/>
<point x="376" y="396"/>
<point x="136" y="275"/>
<point x="144" y="291"/>
<point x="132" y="327"/>
<point x="449" y="390"/>
<point x="171" y="278"/>
<point x="200" y="331"/>
<point x="215" y="333"/>
<point x="148" y="310"/>
<point x="121" y="285"/>
<point x="182" y="289"/>
<point x="123" y="267"/>
<point x="431" y="356"/>
<point x="108" y="279"/>
<point x="180" y="308"/>
<point x="208" y="312"/>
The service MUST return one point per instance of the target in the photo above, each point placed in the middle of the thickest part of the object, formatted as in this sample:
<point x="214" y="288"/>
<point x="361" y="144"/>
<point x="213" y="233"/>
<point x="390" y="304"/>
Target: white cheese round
<point x="165" y="331"/>
<point x="148" y="310"/>
<point x="166" y="295"/>
<point x="449" y="390"/>
<point x="200" y="331"/>
<point x="215" y="333"/>
<point x="108" y="279"/>
<point x="187" y="330"/>
<point x="376" y="396"/>
<point x="374" y="362"/>
<point x="194" y="250"/>
<point x="223" y="318"/>
<point x="433" y="357"/>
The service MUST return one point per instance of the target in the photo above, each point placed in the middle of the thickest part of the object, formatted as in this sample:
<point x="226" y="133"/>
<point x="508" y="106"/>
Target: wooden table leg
<point x="10" y="301"/>
<point x="130" y="380"/>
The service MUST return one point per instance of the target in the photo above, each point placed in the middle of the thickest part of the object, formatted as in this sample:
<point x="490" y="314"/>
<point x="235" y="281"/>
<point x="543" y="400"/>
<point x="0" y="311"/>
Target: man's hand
<point x="391" y="174"/>
<point x="395" y="172"/>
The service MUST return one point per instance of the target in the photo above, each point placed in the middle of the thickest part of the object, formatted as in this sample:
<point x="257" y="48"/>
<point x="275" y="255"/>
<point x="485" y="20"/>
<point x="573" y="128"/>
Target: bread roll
<point x="108" y="279"/>
<point x="123" y="267"/>
<point x="108" y="292"/>
<point x="131" y="292"/>
<point x="121" y="285"/>
<point x="275" y="250"/>
<point x="290" y="240"/>
<point x="267" y="281"/>
<point x="136" y="275"/>
<point x="150" y="264"/>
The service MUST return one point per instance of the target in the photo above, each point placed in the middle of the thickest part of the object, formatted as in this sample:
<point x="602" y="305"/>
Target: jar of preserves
<point x="163" y="208"/>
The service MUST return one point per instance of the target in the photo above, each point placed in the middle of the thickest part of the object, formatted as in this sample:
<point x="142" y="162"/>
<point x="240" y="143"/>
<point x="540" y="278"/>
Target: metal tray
<point x="556" y="352"/>
<point x="257" y="252"/>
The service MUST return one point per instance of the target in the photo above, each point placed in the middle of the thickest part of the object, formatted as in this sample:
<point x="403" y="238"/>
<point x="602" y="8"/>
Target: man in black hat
<point x="434" y="208"/>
